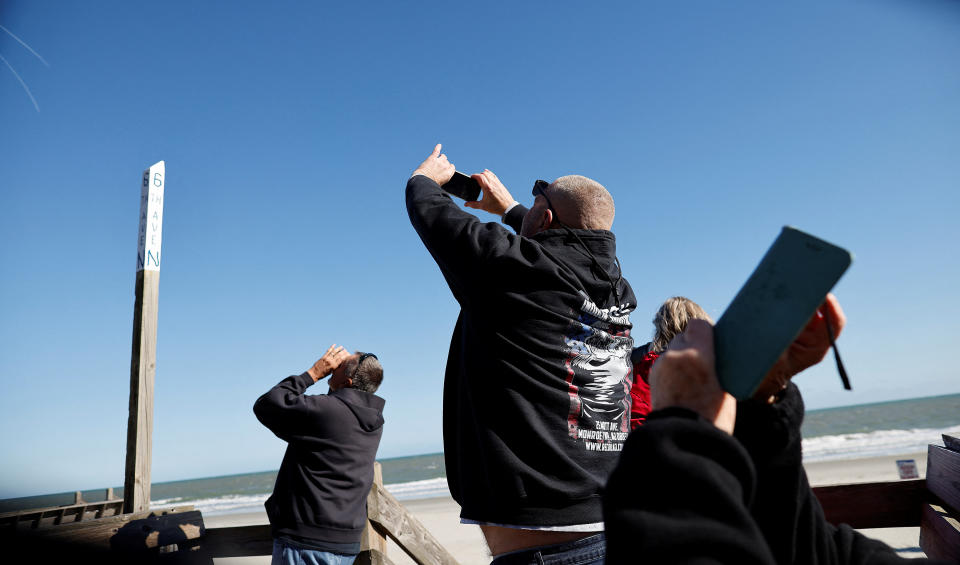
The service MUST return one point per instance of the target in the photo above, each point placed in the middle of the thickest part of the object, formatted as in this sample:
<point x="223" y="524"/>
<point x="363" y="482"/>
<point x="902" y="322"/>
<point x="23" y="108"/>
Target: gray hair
<point x="671" y="320"/>
<point x="584" y="202"/>
<point x="368" y="375"/>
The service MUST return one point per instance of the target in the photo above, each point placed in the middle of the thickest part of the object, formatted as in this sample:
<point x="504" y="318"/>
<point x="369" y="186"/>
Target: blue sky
<point x="289" y="129"/>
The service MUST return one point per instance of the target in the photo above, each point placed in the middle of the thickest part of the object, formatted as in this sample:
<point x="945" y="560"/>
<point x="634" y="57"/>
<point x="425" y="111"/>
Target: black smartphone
<point x="462" y="186"/>
<point x="773" y="307"/>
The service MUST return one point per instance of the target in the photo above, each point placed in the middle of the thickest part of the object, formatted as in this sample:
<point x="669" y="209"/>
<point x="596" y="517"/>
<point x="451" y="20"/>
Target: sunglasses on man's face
<point x="540" y="187"/>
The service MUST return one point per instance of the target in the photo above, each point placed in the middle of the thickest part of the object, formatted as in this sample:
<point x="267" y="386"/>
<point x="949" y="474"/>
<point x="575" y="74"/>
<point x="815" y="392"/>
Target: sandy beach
<point x="867" y="470"/>
<point x="441" y="515"/>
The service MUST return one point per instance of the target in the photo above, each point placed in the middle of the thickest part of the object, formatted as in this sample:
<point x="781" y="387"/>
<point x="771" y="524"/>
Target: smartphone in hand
<point x="774" y="305"/>
<point x="462" y="186"/>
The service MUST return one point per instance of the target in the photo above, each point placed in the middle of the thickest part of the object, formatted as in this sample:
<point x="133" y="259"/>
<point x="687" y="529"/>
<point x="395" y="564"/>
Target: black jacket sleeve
<point x="514" y="218"/>
<point x="686" y="492"/>
<point x="460" y="243"/>
<point x="681" y="494"/>
<point x="286" y="411"/>
<point x="785" y="508"/>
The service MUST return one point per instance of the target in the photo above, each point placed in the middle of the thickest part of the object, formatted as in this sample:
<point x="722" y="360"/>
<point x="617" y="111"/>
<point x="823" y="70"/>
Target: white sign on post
<point x="151" y="218"/>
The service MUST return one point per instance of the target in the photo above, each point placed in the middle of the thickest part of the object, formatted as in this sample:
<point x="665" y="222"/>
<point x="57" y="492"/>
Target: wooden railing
<point x="874" y="505"/>
<point x="56" y="515"/>
<point x="386" y="519"/>
<point x="180" y="534"/>
<point x="131" y="537"/>
<point x="932" y="504"/>
<point x="940" y="516"/>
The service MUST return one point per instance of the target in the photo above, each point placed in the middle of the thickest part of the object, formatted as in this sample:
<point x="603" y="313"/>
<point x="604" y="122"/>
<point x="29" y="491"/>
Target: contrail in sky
<point x="23" y="84"/>
<point x="15" y="73"/>
<point x="24" y="43"/>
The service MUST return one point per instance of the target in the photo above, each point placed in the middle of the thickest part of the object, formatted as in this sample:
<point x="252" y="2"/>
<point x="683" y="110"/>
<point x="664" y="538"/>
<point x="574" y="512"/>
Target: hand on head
<point x="330" y="360"/>
<point x="436" y="167"/>
<point x="496" y="198"/>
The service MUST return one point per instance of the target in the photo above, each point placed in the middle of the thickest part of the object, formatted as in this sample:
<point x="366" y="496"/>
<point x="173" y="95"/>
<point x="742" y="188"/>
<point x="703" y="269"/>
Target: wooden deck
<point x="179" y="534"/>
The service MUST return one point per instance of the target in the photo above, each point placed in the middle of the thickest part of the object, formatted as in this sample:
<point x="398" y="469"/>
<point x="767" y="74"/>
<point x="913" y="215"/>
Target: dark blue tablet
<point x="773" y="307"/>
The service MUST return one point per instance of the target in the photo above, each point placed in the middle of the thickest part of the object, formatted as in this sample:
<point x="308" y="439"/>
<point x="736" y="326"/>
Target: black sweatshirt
<point x="687" y="492"/>
<point x="327" y="470"/>
<point x="536" y="401"/>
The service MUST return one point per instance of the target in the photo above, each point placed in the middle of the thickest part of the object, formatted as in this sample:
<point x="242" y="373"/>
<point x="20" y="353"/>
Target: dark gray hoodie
<point x="327" y="470"/>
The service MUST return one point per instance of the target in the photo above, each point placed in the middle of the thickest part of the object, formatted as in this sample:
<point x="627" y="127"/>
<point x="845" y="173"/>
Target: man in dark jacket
<point x="318" y="509"/>
<point x="728" y="484"/>
<point x="536" y="403"/>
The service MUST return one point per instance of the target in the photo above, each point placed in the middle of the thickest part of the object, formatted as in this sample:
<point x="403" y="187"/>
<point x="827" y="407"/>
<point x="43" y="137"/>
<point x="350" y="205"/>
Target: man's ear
<point x="544" y="219"/>
<point x="349" y="383"/>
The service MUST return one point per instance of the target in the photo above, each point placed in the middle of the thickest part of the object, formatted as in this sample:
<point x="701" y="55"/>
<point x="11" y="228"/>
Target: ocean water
<point x="850" y="432"/>
<point x="884" y="428"/>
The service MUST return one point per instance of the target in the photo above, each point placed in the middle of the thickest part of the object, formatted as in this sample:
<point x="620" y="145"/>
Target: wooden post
<point x="136" y="483"/>
<point x="372" y="539"/>
<point x="390" y="517"/>
<point x="940" y="523"/>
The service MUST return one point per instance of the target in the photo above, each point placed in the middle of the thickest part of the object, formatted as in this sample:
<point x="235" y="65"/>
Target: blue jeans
<point x="290" y="554"/>
<point x="586" y="551"/>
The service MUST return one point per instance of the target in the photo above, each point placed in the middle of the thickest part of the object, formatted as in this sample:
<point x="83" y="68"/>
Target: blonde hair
<point x="671" y="319"/>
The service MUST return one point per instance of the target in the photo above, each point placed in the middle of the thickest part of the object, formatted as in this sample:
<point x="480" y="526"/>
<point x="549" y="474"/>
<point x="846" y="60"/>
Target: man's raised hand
<point x="436" y="167"/>
<point x="496" y="198"/>
<point x="810" y="347"/>
<point x="332" y="359"/>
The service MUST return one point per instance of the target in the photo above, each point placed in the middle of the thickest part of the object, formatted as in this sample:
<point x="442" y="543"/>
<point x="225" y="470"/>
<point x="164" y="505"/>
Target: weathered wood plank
<point x="136" y="482"/>
<point x="873" y="505"/>
<point x="951" y="443"/>
<point x="372" y="557"/>
<point x="939" y="534"/>
<point x="42" y="517"/>
<point x="371" y="538"/>
<point x="943" y="476"/>
<point x="393" y="520"/>
<point x="155" y="532"/>
<point x="245" y="541"/>
<point x="140" y="532"/>
<point x="237" y="542"/>
<point x="121" y="519"/>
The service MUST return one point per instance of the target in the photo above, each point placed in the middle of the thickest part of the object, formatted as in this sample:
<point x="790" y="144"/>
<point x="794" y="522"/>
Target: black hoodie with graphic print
<point x="536" y="393"/>
<point x="327" y="470"/>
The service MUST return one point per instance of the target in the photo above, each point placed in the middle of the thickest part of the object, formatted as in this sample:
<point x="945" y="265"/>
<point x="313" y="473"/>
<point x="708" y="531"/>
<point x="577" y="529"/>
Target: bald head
<point x="581" y="202"/>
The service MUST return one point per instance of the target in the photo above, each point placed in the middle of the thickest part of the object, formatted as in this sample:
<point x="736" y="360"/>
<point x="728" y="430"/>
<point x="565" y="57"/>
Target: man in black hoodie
<point x="319" y="503"/>
<point x="536" y="403"/>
